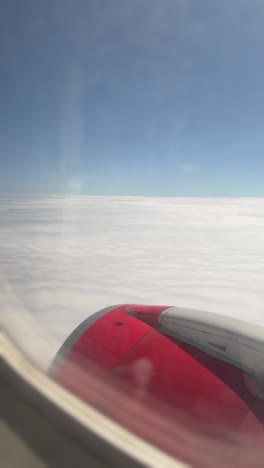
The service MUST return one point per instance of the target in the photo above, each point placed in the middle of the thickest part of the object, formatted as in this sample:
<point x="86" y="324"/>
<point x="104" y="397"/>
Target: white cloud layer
<point x="63" y="258"/>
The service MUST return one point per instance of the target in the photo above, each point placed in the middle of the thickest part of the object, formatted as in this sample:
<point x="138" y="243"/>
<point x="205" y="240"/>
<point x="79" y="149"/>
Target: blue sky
<point x="142" y="97"/>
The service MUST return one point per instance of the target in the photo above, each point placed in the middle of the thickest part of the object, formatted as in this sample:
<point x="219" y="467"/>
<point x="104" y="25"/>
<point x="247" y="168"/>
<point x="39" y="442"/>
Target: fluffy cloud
<point x="64" y="258"/>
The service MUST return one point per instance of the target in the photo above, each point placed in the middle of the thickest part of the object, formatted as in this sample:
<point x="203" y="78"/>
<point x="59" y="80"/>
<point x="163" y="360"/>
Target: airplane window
<point x="132" y="232"/>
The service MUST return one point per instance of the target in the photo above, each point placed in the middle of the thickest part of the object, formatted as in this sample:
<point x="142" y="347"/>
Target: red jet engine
<point x="188" y="381"/>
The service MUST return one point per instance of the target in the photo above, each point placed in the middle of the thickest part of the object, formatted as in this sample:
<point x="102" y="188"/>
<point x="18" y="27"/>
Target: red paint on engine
<point x="99" y="350"/>
<point x="160" y="389"/>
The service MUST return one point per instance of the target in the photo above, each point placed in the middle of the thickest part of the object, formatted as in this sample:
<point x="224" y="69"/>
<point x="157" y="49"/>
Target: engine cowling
<point x="164" y="388"/>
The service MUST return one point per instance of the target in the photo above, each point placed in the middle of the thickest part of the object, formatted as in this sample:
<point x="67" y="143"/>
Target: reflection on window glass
<point x="131" y="184"/>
